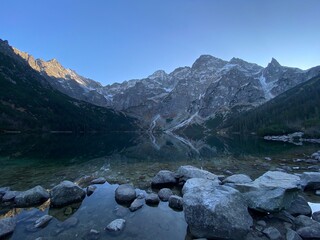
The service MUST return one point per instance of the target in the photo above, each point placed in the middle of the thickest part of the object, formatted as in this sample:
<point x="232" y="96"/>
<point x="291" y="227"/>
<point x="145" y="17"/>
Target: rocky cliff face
<point x="210" y="87"/>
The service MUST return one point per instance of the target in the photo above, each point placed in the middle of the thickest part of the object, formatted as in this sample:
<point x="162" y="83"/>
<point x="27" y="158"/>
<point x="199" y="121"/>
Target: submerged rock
<point x="43" y="221"/>
<point x="136" y="204"/>
<point x="116" y="225"/>
<point x="7" y="226"/>
<point x="66" y="193"/>
<point x="152" y="199"/>
<point x="271" y="192"/>
<point x="31" y="197"/>
<point x="164" y="178"/>
<point x="216" y="212"/>
<point x="125" y="193"/>
<point x="164" y="194"/>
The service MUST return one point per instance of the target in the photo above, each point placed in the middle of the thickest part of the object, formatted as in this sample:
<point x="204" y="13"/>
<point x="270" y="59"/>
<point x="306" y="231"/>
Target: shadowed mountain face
<point x="210" y="87"/>
<point x="29" y="103"/>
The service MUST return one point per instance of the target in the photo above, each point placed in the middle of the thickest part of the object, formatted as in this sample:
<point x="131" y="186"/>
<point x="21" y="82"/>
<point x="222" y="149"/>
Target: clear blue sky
<point x="116" y="40"/>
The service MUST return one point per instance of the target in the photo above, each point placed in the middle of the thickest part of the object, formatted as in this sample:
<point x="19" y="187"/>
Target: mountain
<point x="28" y="102"/>
<point x="295" y="110"/>
<point x="211" y="88"/>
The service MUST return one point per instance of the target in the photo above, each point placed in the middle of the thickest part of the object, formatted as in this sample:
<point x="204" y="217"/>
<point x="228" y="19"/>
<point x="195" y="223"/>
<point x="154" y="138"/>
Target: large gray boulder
<point x="216" y="212"/>
<point x="7" y="226"/>
<point x="299" y="207"/>
<point x="125" y="193"/>
<point x="237" y="178"/>
<point x="310" y="180"/>
<point x="187" y="172"/>
<point x="200" y="183"/>
<point x="31" y="197"/>
<point x="66" y="193"/>
<point x="164" y="178"/>
<point x="271" y="192"/>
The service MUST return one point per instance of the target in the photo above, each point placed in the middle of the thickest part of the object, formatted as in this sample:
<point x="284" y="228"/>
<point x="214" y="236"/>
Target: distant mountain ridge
<point x="28" y="102"/>
<point x="211" y="87"/>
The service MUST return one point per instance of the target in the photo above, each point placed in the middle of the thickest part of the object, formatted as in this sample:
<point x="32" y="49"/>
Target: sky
<point x="117" y="40"/>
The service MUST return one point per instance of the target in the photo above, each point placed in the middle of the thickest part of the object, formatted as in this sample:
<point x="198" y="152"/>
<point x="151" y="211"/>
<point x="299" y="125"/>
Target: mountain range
<point x="28" y="102"/>
<point x="210" y="88"/>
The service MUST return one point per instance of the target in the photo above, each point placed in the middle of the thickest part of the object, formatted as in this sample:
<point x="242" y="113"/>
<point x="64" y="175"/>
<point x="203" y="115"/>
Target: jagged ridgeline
<point x="29" y="103"/>
<point x="297" y="109"/>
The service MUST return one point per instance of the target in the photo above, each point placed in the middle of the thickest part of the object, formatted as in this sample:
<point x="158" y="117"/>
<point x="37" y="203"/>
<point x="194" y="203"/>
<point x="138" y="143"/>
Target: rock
<point x="3" y="190"/>
<point x="90" y="190"/>
<point x="272" y="233"/>
<point x="164" y="194"/>
<point x="216" y="212"/>
<point x="304" y="221"/>
<point x="200" y="183"/>
<point x="316" y="216"/>
<point x="176" y="202"/>
<point x="316" y="156"/>
<point x="136" y="204"/>
<point x="317" y="193"/>
<point x="9" y="196"/>
<point x="43" y="221"/>
<point x="292" y="235"/>
<point x="262" y="223"/>
<point x="187" y="172"/>
<point x="69" y="223"/>
<point x="116" y="225"/>
<point x="7" y="226"/>
<point x="100" y="180"/>
<point x="164" y="178"/>
<point x="299" y="207"/>
<point x="125" y="193"/>
<point x="66" y="193"/>
<point x="84" y="181"/>
<point x="31" y="197"/>
<point x="310" y="180"/>
<point x="237" y="178"/>
<point x="271" y="192"/>
<point x="309" y="232"/>
<point x="152" y="199"/>
<point x="267" y="159"/>
<point x="283" y="216"/>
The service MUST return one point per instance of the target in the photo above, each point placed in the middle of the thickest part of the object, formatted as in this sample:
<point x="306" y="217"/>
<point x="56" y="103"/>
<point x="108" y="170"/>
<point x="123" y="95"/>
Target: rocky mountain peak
<point x="208" y="62"/>
<point x="274" y="63"/>
<point x="160" y="74"/>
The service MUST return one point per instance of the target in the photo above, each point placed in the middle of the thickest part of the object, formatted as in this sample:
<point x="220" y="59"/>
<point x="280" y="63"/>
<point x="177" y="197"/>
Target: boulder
<point x="216" y="212"/>
<point x="100" y="180"/>
<point x="316" y="216"/>
<point x="310" y="180"/>
<point x="299" y="206"/>
<point x="309" y="232"/>
<point x="164" y="194"/>
<point x="176" y="202"/>
<point x="43" y="221"/>
<point x="3" y="191"/>
<point x="91" y="189"/>
<point x="164" y="178"/>
<point x="237" y="178"/>
<point x="31" y="197"/>
<point x="152" y="199"/>
<point x="292" y="235"/>
<point x="116" y="225"/>
<point x="66" y="193"/>
<point x="271" y="192"/>
<point x="136" y="204"/>
<point x="200" y="183"/>
<point x="187" y="172"/>
<point x="272" y="233"/>
<point x="7" y="226"/>
<point x="9" y="196"/>
<point x="125" y="193"/>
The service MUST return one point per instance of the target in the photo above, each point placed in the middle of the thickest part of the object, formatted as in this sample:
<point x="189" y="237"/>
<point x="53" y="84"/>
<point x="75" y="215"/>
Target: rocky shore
<point x="272" y="206"/>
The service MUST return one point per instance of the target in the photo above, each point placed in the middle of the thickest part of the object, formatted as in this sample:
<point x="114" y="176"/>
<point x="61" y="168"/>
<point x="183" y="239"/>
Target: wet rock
<point x="116" y="225"/>
<point x="200" y="183"/>
<point x="292" y="235"/>
<point x="164" y="178"/>
<point x="3" y="191"/>
<point x="9" y="196"/>
<point x="310" y="180"/>
<point x="152" y="199"/>
<point x="187" y="172"/>
<point x="66" y="193"/>
<point x="272" y="233"/>
<point x="176" y="202"/>
<point x="125" y="193"/>
<point x="237" y="178"/>
<point x="7" y="226"/>
<point x="216" y="212"/>
<point x="31" y="197"/>
<point x="90" y="190"/>
<point x="316" y="216"/>
<point x="100" y="180"/>
<point x="164" y="194"/>
<point x="271" y="192"/>
<point x="299" y="207"/>
<point x="136" y="204"/>
<point x="43" y="221"/>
